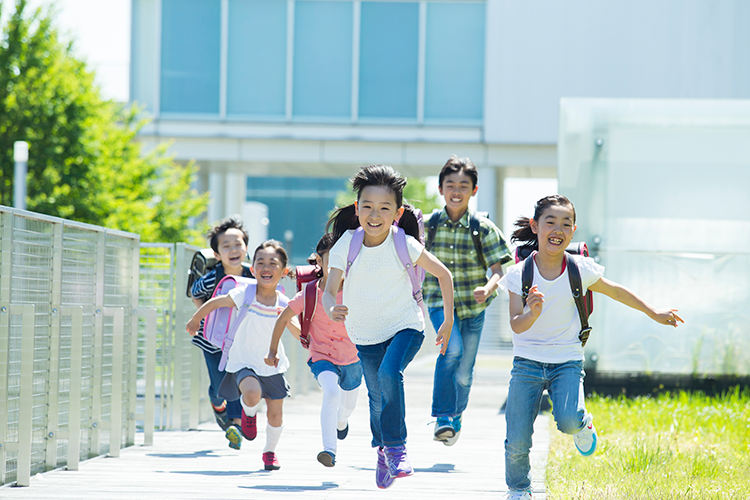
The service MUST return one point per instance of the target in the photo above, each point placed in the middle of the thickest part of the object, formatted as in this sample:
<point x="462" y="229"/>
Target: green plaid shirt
<point x="454" y="247"/>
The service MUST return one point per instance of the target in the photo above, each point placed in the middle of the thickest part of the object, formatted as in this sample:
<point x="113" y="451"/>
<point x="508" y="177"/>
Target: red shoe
<point x="270" y="461"/>
<point x="249" y="426"/>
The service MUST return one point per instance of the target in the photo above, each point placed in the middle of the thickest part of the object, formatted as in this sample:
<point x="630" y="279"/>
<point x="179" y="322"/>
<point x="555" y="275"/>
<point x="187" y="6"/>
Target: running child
<point x="247" y="376"/>
<point x="228" y="240"/>
<point x="333" y="358"/>
<point x="383" y="319"/>
<point x="546" y="348"/>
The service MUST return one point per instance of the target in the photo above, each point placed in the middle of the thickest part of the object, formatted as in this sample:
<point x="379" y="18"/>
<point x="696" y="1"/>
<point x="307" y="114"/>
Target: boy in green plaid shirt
<point x="468" y="258"/>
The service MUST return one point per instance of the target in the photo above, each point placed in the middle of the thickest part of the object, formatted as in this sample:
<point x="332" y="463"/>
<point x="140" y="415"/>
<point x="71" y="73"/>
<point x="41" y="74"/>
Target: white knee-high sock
<point x="346" y="407"/>
<point x="329" y="382"/>
<point x="250" y="411"/>
<point x="273" y="434"/>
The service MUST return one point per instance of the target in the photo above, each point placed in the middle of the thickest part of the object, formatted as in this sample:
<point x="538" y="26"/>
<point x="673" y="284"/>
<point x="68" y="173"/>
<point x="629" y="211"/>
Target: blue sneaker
<point x="398" y="462"/>
<point x="444" y="429"/>
<point x="585" y="439"/>
<point x="327" y="458"/>
<point x="343" y="433"/>
<point x="456" y="426"/>
<point x="383" y="477"/>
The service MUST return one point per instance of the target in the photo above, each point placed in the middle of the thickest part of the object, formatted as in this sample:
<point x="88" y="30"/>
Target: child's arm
<point x="208" y="307"/>
<point x="432" y="265"/>
<point x="278" y="329"/>
<point x="482" y="293"/>
<point x="623" y="295"/>
<point x="337" y="312"/>
<point x="520" y="321"/>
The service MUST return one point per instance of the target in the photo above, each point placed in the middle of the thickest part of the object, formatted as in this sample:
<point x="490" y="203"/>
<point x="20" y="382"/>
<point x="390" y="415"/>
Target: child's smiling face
<point x="457" y="189"/>
<point x="377" y="210"/>
<point x="554" y="229"/>
<point x="268" y="268"/>
<point x="232" y="248"/>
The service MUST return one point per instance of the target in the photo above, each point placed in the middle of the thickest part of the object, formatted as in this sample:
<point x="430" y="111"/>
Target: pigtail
<point x="342" y="220"/>
<point x="408" y="222"/>
<point x="524" y="234"/>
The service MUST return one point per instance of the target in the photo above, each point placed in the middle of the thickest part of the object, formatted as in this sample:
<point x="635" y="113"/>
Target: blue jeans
<point x="528" y="379"/>
<point x="383" y="366"/>
<point x="215" y="376"/>
<point x="454" y="371"/>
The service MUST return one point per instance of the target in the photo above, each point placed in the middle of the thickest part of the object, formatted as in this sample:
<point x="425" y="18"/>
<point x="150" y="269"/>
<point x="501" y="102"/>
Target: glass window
<point x="256" y="69"/>
<point x="454" y="62"/>
<point x="389" y="60"/>
<point x="190" y="47"/>
<point x="322" y="59"/>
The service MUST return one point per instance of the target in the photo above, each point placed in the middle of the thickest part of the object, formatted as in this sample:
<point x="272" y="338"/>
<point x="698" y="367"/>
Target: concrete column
<point x="234" y="193"/>
<point x="487" y="194"/>
<point x="216" y="183"/>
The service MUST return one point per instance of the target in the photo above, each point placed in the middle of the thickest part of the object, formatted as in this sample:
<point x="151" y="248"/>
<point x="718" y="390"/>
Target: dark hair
<point x="455" y="165"/>
<point x="276" y="245"/>
<point x="345" y="218"/>
<point x="221" y="228"/>
<point x="524" y="233"/>
<point x="324" y="245"/>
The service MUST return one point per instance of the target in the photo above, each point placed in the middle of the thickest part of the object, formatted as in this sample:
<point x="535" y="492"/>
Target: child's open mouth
<point x="373" y="224"/>
<point x="555" y="241"/>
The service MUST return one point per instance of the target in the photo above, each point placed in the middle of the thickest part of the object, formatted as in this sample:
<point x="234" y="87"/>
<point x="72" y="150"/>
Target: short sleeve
<point x="591" y="272"/>
<point x="203" y="286"/>
<point x="297" y="303"/>
<point x="511" y="280"/>
<point x="237" y="294"/>
<point x="415" y="248"/>
<point x="494" y="247"/>
<point x="337" y="255"/>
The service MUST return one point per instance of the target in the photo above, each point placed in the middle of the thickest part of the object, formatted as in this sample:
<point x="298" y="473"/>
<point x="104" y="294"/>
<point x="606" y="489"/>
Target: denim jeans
<point x="454" y="371"/>
<point x="215" y="376"/>
<point x="528" y="379"/>
<point x="383" y="366"/>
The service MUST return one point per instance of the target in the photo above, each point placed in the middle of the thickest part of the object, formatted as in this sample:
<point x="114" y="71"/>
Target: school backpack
<point x="204" y="260"/>
<point x="584" y="303"/>
<point x="307" y="280"/>
<point x="221" y="324"/>
<point x="476" y="238"/>
<point x="416" y="273"/>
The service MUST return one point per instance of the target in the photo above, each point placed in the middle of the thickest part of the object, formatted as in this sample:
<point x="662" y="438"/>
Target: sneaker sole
<point x="591" y="451"/>
<point x="272" y="467"/>
<point x="326" y="459"/>
<point x="452" y="440"/>
<point x="402" y="474"/>
<point x="444" y="433"/>
<point x="235" y="440"/>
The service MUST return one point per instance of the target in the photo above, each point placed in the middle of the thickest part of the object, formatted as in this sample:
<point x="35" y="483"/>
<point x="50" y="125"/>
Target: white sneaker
<point x="519" y="495"/>
<point x="585" y="439"/>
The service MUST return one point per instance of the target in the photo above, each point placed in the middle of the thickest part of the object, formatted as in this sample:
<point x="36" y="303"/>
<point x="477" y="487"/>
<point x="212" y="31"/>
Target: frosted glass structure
<point x="664" y="187"/>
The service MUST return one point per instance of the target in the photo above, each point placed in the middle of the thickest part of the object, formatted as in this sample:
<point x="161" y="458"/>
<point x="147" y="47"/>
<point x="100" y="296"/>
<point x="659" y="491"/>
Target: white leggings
<point x="338" y="405"/>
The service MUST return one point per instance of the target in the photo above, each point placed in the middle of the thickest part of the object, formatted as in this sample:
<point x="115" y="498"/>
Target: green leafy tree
<point x="84" y="162"/>
<point x="415" y="193"/>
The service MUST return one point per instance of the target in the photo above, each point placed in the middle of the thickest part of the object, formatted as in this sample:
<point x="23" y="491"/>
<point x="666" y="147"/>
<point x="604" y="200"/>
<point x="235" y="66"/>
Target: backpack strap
<point x="476" y="238"/>
<point x="527" y="276"/>
<point x="309" y="304"/>
<point x="399" y="239"/>
<point x="354" y="247"/>
<point x="432" y="229"/>
<point x="576" y="286"/>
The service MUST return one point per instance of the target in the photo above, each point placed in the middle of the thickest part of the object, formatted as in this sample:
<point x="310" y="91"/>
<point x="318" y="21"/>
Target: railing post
<point x="74" y="405"/>
<point x="149" y="395"/>
<point x="23" y="476"/>
<point x="115" y="422"/>
<point x="53" y="398"/>
<point x="6" y="272"/>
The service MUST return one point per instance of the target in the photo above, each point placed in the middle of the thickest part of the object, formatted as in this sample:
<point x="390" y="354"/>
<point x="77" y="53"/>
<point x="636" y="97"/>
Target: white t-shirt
<point x="377" y="290"/>
<point x="553" y="338"/>
<point x="253" y="338"/>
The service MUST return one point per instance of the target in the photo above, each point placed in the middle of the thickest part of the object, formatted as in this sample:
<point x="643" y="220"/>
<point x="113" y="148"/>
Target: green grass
<point x="674" y="446"/>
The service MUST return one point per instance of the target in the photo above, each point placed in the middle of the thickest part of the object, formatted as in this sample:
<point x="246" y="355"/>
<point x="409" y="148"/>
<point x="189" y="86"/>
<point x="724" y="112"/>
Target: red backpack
<point x="307" y="280"/>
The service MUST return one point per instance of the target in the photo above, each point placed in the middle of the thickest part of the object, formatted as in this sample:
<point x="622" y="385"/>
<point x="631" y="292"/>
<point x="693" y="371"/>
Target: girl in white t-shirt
<point x="547" y="351"/>
<point x="383" y="319"/>
<point x="246" y="371"/>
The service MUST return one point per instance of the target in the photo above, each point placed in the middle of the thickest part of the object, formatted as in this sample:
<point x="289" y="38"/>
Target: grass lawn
<point x="673" y="446"/>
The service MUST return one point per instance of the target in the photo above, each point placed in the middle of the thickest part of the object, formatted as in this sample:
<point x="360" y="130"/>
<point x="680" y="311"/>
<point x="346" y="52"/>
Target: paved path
<point x="199" y="465"/>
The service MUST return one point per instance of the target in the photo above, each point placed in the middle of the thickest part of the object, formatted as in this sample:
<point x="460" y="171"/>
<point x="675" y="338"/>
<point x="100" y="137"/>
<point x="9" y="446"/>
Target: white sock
<point x="273" y="434"/>
<point x="250" y="411"/>
<point x="346" y="407"/>
<point x="329" y="382"/>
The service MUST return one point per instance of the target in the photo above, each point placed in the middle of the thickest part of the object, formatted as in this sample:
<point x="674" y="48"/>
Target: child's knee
<point x="570" y="423"/>
<point x="251" y="397"/>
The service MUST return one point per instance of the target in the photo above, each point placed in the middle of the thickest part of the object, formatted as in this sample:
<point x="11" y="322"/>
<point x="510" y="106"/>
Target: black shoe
<point x="221" y="418"/>
<point x="344" y="433"/>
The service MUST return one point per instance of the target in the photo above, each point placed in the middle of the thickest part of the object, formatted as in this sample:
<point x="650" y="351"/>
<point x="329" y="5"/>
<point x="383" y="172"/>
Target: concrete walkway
<point x="200" y="465"/>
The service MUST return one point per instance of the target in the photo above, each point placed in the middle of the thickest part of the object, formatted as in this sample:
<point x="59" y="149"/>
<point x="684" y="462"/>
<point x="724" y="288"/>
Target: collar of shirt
<point x="445" y="219"/>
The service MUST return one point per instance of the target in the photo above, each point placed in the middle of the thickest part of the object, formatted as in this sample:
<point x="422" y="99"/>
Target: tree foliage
<point x="84" y="162"/>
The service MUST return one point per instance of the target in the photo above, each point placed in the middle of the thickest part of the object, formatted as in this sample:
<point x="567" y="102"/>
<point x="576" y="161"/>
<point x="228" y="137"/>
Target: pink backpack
<point x="220" y="326"/>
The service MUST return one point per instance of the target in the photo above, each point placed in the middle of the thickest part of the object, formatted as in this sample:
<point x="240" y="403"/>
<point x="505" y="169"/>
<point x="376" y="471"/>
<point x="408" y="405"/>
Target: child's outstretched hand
<point x="192" y="326"/>
<point x="339" y="312"/>
<point x="443" y="336"/>
<point x="535" y="301"/>
<point x="272" y="359"/>
<point x="667" y="317"/>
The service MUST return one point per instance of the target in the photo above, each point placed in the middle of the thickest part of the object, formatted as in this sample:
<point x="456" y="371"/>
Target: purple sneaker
<point x="398" y="462"/>
<point x="382" y="476"/>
